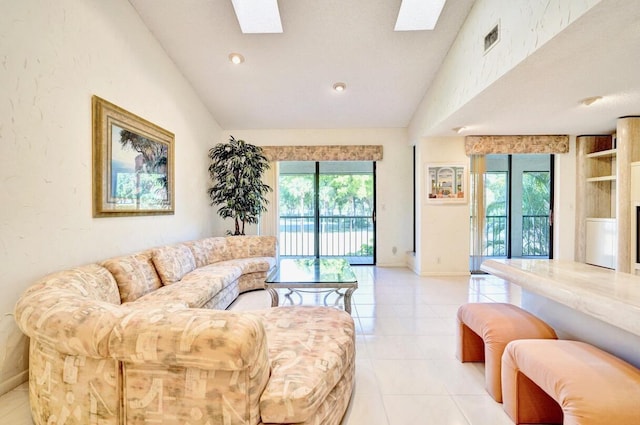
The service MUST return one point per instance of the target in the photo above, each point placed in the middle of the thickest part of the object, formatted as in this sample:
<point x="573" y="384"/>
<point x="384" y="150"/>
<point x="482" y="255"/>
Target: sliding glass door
<point x="511" y="215"/>
<point x="327" y="209"/>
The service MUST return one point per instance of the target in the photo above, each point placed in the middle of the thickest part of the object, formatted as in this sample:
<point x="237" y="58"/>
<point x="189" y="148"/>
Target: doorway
<point x="327" y="209"/>
<point x="515" y="195"/>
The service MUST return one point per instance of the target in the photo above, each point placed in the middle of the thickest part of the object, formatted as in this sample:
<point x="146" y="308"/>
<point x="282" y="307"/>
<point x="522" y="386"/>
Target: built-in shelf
<point x="596" y="167"/>
<point x="602" y="179"/>
<point x="609" y="153"/>
<point x="607" y="185"/>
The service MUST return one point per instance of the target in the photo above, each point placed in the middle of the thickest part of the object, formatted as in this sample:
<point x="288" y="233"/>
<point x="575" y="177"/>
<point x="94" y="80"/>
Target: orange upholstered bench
<point x="484" y="330"/>
<point x="568" y="382"/>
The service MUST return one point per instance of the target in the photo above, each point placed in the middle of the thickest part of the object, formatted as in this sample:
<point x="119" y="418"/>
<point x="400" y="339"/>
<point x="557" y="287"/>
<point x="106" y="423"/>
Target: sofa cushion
<point x="173" y="262"/>
<point x="223" y="299"/>
<point x="250" y="265"/>
<point x="135" y="275"/>
<point x="209" y="250"/>
<point x="310" y="349"/>
<point x="252" y="246"/>
<point x="196" y="288"/>
<point x="91" y="281"/>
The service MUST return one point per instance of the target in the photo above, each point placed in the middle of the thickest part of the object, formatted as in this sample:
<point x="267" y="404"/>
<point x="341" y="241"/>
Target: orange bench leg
<point x="470" y="347"/>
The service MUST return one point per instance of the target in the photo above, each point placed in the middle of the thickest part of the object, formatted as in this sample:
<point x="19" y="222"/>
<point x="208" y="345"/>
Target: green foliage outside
<point x="535" y="202"/>
<point x="535" y="193"/>
<point x="345" y="203"/>
<point x="495" y="184"/>
<point x="343" y="194"/>
<point x="296" y="194"/>
<point x="364" y="251"/>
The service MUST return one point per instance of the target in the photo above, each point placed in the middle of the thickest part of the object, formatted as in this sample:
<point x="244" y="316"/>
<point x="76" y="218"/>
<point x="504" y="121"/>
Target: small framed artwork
<point x="446" y="183"/>
<point x="132" y="164"/>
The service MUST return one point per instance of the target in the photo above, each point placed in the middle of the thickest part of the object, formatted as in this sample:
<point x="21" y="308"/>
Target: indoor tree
<point x="236" y="170"/>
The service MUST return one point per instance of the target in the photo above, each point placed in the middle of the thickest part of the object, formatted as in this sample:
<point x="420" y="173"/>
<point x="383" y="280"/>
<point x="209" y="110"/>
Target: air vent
<point x="492" y="38"/>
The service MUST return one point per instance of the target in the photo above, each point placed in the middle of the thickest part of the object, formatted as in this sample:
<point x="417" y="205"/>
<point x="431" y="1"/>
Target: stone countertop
<point x="610" y="296"/>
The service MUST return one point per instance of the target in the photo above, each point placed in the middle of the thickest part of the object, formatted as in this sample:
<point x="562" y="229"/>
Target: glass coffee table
<point x="330" y="275"/>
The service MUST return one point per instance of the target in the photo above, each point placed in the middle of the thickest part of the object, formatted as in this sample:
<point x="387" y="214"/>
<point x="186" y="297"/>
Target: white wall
<point x="53" y="57"/>
<point x="393" y="178"/>
<point x="444" y="235"/>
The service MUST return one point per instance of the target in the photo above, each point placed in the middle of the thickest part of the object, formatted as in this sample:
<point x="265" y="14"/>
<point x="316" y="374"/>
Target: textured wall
<point x="53" y="57"/>
<point x="524" y="27"/>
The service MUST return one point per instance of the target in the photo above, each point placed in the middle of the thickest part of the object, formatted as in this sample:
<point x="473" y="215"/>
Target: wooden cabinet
<point x="605" y="206"/>
<point x="601" y="240"/>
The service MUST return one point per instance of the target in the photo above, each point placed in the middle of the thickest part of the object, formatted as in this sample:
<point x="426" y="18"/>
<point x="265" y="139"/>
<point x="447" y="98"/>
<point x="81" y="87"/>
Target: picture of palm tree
<point x="138" y="169"/>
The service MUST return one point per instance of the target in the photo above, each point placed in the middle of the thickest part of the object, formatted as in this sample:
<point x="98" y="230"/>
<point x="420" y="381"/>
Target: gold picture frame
<point x="133" y="165"/>
<point x="447" y="183"/>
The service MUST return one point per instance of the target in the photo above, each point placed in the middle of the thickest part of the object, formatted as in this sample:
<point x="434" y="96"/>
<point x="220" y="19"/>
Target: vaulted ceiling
<point x="286" y="79"/>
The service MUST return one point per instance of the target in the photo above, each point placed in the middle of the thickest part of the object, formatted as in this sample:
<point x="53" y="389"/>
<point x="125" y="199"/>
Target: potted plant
<point x="236" y="171"/>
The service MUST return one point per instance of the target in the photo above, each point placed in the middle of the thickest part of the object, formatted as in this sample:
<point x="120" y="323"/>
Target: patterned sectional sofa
<point x="145" y="339"/>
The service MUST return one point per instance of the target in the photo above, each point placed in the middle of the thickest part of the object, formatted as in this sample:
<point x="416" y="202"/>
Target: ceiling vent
<point x="492" y="38"/>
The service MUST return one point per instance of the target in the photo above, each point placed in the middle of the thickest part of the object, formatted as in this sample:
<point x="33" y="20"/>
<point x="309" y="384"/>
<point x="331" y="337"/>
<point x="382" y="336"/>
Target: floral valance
<point x="324" y="153"/>
<point x="485" y="145"/>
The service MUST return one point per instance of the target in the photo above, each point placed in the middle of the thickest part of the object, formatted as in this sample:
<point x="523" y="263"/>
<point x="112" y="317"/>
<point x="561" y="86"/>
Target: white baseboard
<point x="11" y="383"/>
<point x="426" y="274"/>
<point x="392" y="265"/>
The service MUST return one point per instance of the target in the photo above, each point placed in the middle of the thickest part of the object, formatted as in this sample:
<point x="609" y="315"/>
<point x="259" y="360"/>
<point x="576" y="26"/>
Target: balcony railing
<point x="535" y="236"/>
<point x="495" y="236"/>
<point x="346" y="236"/>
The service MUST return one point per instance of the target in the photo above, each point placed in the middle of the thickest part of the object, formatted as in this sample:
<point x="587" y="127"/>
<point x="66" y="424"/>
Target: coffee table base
<point x="275" y="298"/>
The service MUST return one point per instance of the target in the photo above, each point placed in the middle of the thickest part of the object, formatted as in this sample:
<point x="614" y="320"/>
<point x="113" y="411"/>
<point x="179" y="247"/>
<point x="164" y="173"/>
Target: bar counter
<point x="609" y="296"/>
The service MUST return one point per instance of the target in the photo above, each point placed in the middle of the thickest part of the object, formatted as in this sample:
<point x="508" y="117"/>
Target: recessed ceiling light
<point x="416" y="15"/>
<point x="236" y="58"/>
<point x="339" y="87"/>
<point x="258" y="16"/>
<point x="590" y="100"/>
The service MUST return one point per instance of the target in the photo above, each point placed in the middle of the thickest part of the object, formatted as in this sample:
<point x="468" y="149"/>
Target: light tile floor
<point x="406" y="370"/>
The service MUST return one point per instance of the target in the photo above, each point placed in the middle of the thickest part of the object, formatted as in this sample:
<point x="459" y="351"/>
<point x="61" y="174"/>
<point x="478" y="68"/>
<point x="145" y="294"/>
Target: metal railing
<point x="535" y="236"/>
<point x="350" y="236"/>
<point x="495" y="235"/>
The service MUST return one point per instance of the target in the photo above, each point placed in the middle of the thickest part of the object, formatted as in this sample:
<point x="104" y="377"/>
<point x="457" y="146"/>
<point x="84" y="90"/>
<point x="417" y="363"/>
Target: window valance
<point x="324" y="153"/>
<point x="485" y="145"/>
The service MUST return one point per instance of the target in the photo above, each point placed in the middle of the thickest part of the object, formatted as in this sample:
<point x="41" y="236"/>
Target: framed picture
<point x="446" y="183"/>
<point x="132" y="164"/>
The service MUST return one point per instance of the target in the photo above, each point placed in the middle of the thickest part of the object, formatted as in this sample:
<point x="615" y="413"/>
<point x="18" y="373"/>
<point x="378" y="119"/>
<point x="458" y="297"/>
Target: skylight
<point x="258" y="16"/>
<point x="417" y="15"/>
